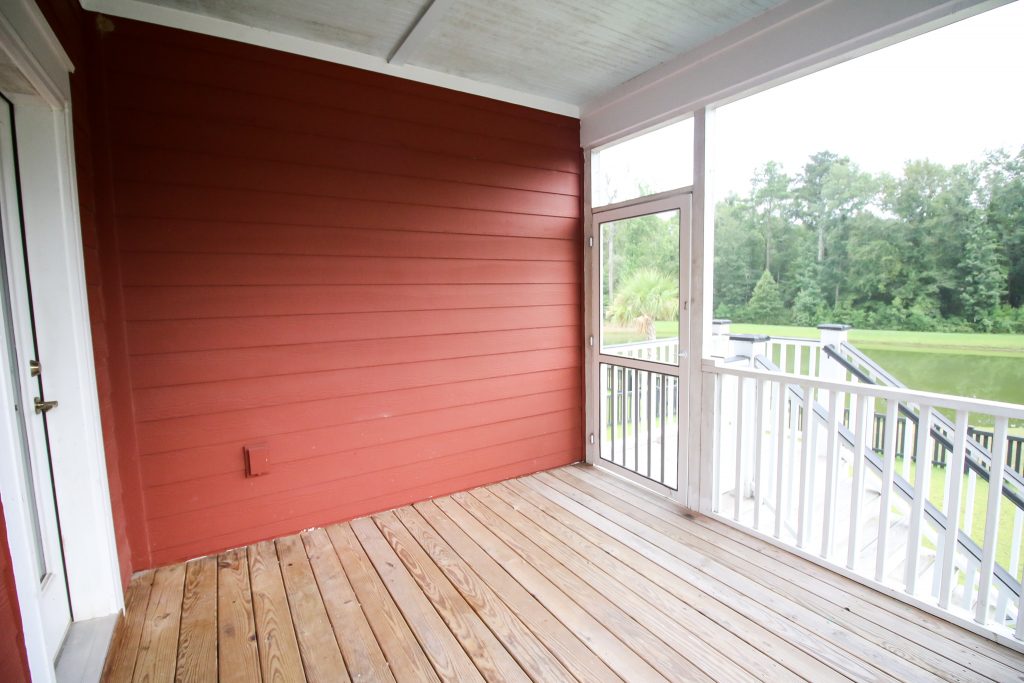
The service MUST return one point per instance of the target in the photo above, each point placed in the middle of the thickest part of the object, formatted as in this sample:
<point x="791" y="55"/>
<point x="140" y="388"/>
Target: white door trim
<point x="680" y="200"/>
<point x="57" y="269"/>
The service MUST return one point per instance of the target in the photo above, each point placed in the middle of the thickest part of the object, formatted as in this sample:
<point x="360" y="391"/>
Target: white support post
<point x="720" y="337"/>
<point x="749" y="345"/>
<point x="833" y="335"/>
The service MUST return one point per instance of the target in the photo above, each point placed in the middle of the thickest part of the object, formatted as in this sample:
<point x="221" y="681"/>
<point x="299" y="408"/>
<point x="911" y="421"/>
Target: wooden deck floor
<point x="567" y="575"/>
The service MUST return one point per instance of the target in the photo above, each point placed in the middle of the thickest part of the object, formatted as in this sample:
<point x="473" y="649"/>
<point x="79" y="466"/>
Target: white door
<point x="638" y="294"/>
<point x="24" y="373"/>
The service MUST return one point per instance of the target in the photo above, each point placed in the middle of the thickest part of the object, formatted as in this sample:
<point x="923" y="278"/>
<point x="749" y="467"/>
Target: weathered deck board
<point x="124" y="646"/>
<point x="159" y="646"/>
<point x="238" y="655"/>
<point x="569" y="575"/>
<point x="197" y="641"/>
<point x="942" y="656"/>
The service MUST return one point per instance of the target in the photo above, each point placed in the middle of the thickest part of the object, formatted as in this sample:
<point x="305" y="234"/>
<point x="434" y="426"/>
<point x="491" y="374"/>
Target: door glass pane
<point x="12" y="369"/>
<point x="643" y="165"/>
<point x="640" y="287"/>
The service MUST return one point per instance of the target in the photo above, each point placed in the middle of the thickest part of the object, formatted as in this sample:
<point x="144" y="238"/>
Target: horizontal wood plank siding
<point x="379" y="280"/>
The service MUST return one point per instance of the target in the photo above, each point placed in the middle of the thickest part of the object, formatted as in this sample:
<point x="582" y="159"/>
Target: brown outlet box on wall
<point x="257" y="459"/>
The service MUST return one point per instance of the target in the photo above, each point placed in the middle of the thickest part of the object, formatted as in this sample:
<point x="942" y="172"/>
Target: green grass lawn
<point x="950" y="343"/>
<point x="977" y="530"/>
<point x="665" y="329"/>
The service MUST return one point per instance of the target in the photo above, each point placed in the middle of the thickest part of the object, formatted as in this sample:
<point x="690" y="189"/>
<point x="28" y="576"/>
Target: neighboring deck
<point x="568" y="575"/>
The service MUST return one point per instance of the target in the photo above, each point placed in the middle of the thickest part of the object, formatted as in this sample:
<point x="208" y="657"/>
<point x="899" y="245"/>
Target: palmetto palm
<point x="643" y="297"/>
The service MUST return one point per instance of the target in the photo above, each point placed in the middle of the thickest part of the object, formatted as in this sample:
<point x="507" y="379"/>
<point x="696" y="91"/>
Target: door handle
<point x="44" y="406"/>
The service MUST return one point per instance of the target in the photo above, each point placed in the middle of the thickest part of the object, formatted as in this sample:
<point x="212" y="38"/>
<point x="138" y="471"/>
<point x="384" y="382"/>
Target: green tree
<point x="831" y="192"/>
<point x="737" y="249"/>
<point x="769" y="198"/>
<point x="644" y="297"/>
<point x="982" y="275"/>
<point x="765" y="305"/>
<point x="1004" y="187"/>
<point x="936" y="248"/>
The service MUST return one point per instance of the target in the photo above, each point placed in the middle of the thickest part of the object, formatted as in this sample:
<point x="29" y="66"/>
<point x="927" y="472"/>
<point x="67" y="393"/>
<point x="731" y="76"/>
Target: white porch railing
<point x="658" y="350"/>
<point x="639" y="412"/>
<point x="794" y="459"/>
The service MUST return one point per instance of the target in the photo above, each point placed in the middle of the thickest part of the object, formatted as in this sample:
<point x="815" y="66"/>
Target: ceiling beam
<point x="419" y="31"/>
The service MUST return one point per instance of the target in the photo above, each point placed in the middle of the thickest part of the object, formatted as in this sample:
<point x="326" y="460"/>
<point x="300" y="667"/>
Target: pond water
<point x="997" y="378"/>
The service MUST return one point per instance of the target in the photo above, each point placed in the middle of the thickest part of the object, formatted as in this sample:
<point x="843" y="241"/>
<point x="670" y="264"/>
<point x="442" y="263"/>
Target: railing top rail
<point x="996" y="408"/>
<point x="805" y="340"/>
<point x="873" y="365"/>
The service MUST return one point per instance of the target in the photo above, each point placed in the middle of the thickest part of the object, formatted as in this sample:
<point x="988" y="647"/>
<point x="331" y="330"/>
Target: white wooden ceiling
<point x="565" y="51"/>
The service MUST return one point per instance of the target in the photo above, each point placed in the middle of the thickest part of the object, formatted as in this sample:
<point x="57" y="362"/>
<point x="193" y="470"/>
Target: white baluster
<point x="831" y="465"/>
<point x="991" y="543"/>
<point x="940" y="546"/>
<point x="805" y="461"/>
<point x="905" y="469"/>
<point x="737" y="493"/>
<point x="793" y="470"/>
<point x="888" y="465"/>
<point x="969" y="576"/>
<point x="615" y="408"/>
<point x="972" y="486"/>
<point x="758" y="447"/>
<point x="861" y="428"/>
<point x="716" y="471"/>
<point x="921" y="479"/>
<point x="780" y="458"/>
<point x="955" y="468"/>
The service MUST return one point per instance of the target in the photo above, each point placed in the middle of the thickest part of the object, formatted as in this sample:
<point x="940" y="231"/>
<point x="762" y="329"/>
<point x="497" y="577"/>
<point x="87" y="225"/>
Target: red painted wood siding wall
<point x="379" y="279"/>
<point x="13" y="662"/>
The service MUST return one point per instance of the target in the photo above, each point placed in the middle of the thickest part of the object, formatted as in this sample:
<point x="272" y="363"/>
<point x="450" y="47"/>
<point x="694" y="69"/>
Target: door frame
<point x="682" y="200"/>
<point x="57" y="269"/>
<point x="695" y="473"/>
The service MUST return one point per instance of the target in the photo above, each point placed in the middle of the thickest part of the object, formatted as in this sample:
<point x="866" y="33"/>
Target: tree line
<point x="938" y="248"/>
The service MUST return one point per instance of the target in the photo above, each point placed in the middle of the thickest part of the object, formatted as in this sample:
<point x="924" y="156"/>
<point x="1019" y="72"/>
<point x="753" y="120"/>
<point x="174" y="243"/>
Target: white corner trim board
<point x="791" y="40"/>
<point x="57" y="266"/>
<point x="220" y="28"/>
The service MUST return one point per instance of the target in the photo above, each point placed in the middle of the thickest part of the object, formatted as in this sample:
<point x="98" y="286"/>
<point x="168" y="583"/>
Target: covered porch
<point x="571" y="574"/>
<point x="309" y="376"/>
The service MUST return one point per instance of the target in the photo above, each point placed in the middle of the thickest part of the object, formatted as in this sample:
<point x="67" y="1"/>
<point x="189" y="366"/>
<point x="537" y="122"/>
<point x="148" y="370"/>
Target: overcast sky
<point x="949" y="95"/>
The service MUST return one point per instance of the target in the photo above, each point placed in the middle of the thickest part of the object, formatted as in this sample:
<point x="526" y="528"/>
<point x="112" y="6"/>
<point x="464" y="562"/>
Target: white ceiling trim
<point x="420" y="31"/>
<point x="49" y="78"/>
<point x="220" y="28"/>
<point x="795" y="38"/>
